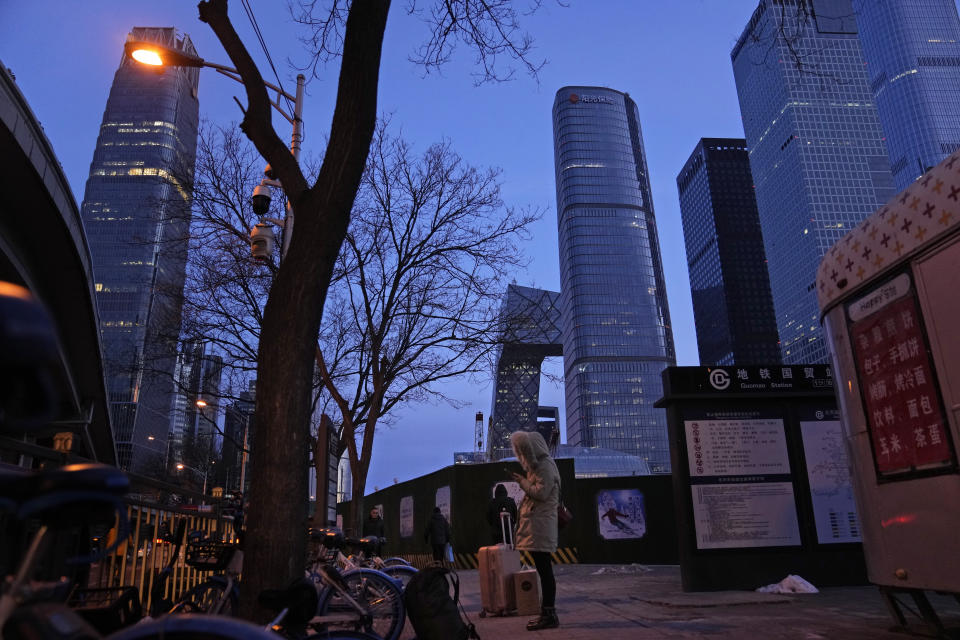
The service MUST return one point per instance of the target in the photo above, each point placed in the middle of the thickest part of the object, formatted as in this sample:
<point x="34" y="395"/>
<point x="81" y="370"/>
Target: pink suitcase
<point x="498" y="563"/>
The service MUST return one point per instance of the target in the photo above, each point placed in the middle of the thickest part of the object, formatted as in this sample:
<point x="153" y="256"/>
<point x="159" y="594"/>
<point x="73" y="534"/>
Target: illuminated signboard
<point x="905" y="417"/>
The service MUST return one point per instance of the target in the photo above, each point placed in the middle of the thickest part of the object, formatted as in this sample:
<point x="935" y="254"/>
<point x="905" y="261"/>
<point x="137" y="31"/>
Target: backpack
<point x="432" y="612"/>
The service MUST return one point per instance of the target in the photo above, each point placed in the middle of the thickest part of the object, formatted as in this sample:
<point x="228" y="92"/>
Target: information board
<point x="828" y="471"/>
<point x="406" y="516"/>
<point x="904" y="414"/>
<point x="741" y="485"/>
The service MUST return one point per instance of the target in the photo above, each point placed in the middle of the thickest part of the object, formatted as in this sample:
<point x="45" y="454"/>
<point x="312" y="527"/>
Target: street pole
<point x="295" y="139"/>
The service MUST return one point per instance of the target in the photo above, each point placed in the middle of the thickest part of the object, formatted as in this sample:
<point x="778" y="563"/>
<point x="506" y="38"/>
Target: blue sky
<point x="673" y="58"/>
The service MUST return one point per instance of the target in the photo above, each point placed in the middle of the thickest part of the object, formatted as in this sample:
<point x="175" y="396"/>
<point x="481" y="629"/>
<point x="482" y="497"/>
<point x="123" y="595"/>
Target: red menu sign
<point x="904" y="413"/>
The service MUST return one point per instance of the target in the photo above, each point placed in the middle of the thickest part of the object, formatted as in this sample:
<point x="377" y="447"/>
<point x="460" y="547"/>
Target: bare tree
<point x="291" y="318"/>
<point x="790" y="31"/>
<point x="424" y="267"/>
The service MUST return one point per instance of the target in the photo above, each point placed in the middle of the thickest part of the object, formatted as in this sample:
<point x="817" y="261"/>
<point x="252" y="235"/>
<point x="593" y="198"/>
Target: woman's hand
<point x="516" y="477"/>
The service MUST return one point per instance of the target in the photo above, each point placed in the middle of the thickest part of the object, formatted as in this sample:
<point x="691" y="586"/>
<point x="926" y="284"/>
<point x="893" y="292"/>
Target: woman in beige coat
<point x="537" y="517"/>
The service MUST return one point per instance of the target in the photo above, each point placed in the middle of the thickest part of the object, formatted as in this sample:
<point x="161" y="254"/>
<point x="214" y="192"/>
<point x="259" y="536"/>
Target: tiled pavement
<point x="612" y="602"/>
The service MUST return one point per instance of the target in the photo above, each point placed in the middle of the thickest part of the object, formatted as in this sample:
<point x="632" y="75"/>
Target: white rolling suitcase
<point x="498" y="564"/>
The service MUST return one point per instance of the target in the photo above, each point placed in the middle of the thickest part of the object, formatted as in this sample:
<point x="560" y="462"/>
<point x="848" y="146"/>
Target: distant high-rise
<point x="196" y="405"/>
<point x="237" y="434"/>
<point x="614" y="317"/>
<point x="912" y="50"/>
<point x="732" y="307"/>
<point x="817" y="153"/>
<point x="136" y="214"/>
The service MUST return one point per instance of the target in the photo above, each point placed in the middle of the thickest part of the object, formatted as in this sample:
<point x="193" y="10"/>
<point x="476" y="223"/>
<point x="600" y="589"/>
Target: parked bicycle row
<point x="341" y="595"/>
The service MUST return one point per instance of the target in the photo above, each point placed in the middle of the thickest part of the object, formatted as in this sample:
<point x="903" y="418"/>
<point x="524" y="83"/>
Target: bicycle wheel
<point x="208" y="597"/>
<point x="394" y="561"/>
<point x="371" y="589"/>
<point x="194" y="627"/>
<point x="401" y="572"/>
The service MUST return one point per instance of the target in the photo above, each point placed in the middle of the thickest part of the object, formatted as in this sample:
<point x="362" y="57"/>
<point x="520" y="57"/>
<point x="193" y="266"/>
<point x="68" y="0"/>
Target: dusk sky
<point x="673" y="58"/>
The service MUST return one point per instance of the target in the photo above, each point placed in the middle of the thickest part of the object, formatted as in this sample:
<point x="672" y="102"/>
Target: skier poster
<point x="621" y="514"/>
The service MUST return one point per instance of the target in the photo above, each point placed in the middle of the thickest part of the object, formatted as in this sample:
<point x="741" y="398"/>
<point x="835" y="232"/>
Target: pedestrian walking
<point x="437" y="534"/>
<point x="537" y="519"/>
<point x="499" y="503"/>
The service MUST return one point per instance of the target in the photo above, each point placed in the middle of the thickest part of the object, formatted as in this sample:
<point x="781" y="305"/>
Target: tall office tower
<point x="732" y="306"/>
<point x="912" y="50"/>
<point x="237" y="422"/>
<point x="817" y="154"/>
<point x="614" y="317"/>
<point x="136" y="214"/>
<point x="196" y="404"/>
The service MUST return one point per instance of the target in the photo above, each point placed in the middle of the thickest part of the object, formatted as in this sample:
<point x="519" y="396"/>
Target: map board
<point x="741" y="485"/>
<point x="828" y="471"/>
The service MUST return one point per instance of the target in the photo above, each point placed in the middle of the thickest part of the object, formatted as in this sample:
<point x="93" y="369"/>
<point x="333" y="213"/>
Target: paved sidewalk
<point x="610" y="602"/>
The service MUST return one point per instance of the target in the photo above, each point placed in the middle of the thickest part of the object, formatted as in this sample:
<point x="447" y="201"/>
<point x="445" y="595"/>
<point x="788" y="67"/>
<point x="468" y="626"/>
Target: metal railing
<point x="137" y="562"/>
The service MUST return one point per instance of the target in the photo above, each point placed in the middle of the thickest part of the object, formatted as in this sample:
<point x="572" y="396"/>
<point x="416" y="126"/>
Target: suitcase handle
<point x="506" y="526"/>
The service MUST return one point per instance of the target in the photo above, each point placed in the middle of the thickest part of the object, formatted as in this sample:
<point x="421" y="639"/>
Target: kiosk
<point x="889" y="294"/>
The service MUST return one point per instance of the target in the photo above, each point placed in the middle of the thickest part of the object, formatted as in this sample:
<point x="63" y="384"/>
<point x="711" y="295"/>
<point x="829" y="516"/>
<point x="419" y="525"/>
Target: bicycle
<point x="374" y="591"/>
<point x="366" y="557"/>
<point x="219" y="594"/>
<point x="59" y="498"/>
<point x="87" y="493"/>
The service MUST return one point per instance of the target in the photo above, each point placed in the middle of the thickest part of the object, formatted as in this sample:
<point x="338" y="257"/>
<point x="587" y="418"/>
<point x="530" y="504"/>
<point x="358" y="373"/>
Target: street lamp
<point x="262" y="238"/>
<point x="181" y="467"/>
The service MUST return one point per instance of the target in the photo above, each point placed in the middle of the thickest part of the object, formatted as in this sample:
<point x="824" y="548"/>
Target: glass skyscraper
<point x="817" y="153"/>
<point x="732" y="306"/>
<point x="136" y="214"/>
<point x="912" y="50"/>
<point x="615" y="321"/>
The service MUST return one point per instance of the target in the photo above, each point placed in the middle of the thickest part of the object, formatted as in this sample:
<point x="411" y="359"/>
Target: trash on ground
<point x="790" y="584"/>
<point x="627" y="568"/>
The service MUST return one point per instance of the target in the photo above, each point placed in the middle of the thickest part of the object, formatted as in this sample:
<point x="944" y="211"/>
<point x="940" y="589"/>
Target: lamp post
<point x="181" y="467"/>
<point x="261" y="236"/>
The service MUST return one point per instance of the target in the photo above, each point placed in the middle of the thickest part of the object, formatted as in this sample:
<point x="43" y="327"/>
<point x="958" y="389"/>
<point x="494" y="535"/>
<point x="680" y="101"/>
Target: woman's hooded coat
<point x="537" y="518"/>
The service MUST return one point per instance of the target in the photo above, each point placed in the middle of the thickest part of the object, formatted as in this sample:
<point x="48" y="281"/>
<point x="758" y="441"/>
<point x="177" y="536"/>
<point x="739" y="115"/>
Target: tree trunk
<point x="275" y="539"/>
<point x="358" y="484"/>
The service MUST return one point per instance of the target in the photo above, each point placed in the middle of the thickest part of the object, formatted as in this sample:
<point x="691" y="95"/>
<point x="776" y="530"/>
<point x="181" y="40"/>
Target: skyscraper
<point x="194" y="432"/>
<point x="614" y="317"/>
<point x="912" y="50"/>
<point x="817" y="154"/>
<point x="136" y="214"/>
<point x="732" y="306"/>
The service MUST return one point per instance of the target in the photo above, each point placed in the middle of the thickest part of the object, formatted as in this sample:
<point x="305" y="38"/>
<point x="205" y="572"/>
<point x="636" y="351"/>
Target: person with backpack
<point x="501" y="502"/>
<point x="437" y="534"/>
<point x="537" y="518"/>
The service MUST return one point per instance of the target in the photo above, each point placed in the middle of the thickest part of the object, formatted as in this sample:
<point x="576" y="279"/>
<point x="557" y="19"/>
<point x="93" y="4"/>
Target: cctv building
<point x="610" y="320"/>
<point x="817" y="153"/>
<point x="136" y="214"/>
<point x="912" y="51"/>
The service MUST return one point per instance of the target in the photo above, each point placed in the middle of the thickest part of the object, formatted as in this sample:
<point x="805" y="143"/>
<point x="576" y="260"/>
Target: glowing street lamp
<point x="261" y="236"/>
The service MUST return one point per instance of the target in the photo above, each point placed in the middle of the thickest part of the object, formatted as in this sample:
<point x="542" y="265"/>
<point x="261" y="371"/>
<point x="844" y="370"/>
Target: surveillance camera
<point x="261" y="199"/>
<point x="262" y="242"/>
<point x="268" y="171"/>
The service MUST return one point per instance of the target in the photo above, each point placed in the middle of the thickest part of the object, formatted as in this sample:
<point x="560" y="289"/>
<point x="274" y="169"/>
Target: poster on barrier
<point x="406" y="516"/>
<point x="621" y="514"/>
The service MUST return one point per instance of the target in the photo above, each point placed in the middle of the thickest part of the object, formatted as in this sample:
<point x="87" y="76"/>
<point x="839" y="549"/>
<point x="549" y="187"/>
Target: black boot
<point x="547" y="620"/>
